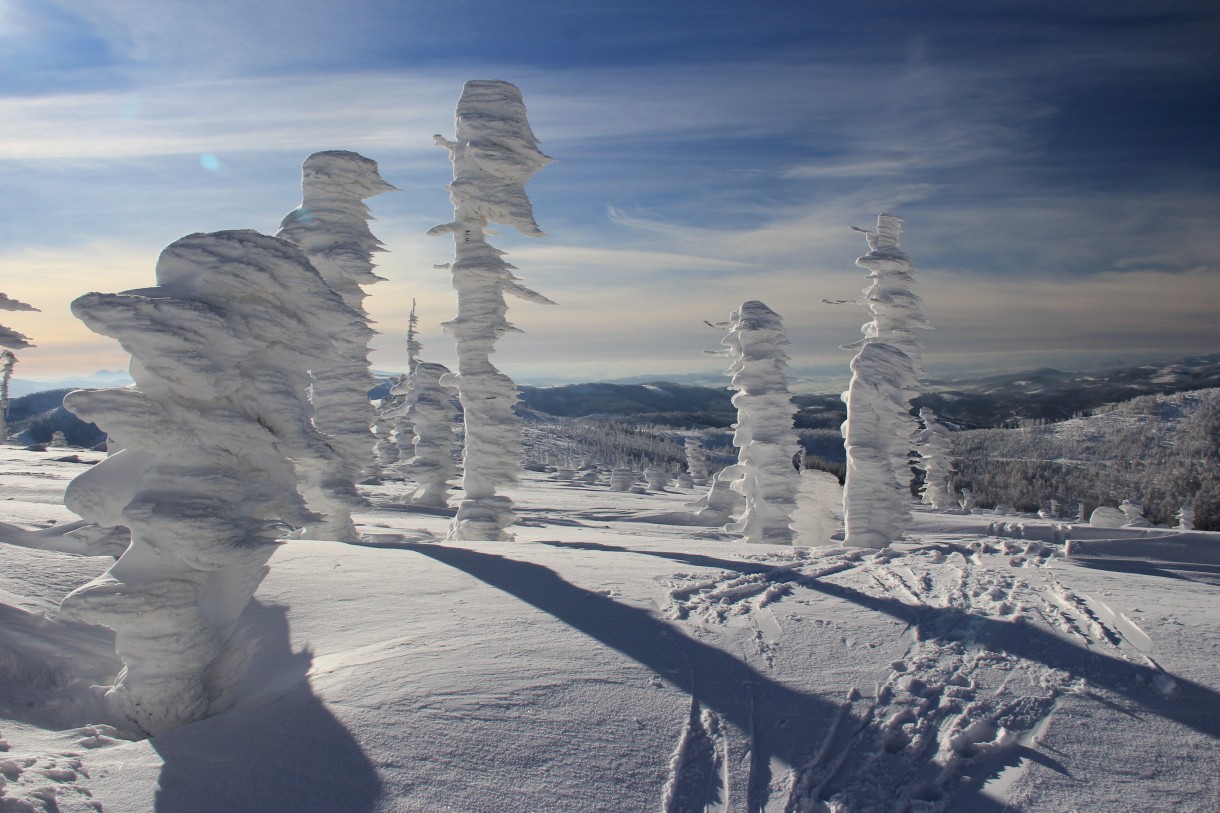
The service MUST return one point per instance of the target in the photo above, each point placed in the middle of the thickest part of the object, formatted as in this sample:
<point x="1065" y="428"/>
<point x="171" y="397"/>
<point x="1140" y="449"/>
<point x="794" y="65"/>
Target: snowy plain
<point x="612" y="660"/>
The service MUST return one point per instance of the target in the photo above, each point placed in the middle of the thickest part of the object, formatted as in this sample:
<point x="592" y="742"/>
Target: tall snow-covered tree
<point x="10" y="340"/>
<point x="696" y="459"/>
<point x="214" y="437"/>
<point x="934" y="443"/>
<point x="430" y="415"/>
<point x="885" y="372"/>
<point x="495" y="154"/>
<point x="331" y="225"/>
<point x="765" y="438"/>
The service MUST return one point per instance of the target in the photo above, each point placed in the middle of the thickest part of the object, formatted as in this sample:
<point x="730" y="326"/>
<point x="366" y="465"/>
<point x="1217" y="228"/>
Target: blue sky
<point x="1055" y="162"/>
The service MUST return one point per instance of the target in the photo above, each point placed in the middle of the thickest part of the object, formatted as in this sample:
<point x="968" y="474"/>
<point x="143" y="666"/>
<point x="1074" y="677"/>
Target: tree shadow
<point x="1190" y="704"/>
<point x="280" y="748"/>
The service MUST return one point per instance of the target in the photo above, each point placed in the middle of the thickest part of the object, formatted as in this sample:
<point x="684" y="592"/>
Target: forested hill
<point x="1162" y="450"/>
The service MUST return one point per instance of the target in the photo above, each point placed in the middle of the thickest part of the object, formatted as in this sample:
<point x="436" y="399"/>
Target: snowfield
<point x="608" y="663"/>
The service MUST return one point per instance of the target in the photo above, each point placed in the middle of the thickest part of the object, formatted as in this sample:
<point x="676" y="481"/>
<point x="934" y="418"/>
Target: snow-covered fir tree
<point x="934" y="443"/>
<point x="765" y="438"/>
<point x="696" y="459"/>
<point x="331" y="225"/>
<point x="495" y="154"/>
<point x="214" y="436"/>
<point x="885" y="371"/>
<point x="430" y="413"/>
<point x="10" y="340"/>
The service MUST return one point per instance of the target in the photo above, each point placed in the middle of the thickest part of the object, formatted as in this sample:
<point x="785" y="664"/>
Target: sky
<point x="1056" y="165"/>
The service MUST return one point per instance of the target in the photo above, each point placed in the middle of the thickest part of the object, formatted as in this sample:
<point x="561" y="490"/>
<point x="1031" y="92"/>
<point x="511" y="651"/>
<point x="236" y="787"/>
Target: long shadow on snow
<point x="287" y="753"/>
<point x="782" y="721"/>
<point x="1191" y="704"/>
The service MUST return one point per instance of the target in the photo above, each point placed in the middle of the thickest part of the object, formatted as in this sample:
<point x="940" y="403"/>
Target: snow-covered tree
<point x="1133" y="510"/>
<point x="819" y="508"/>
<point x="696" y="459"/>
<point x="214" y="437"/>
<point x="765" y="438"/>
<point x="934" y="443"/>
<point x="1186" y="518"/>
<point x="331" y="225"/>
<point x="878" y="429"/>
<point x="494" y="155"/>
<point x="430" y="414"/>
<point x="10" y="340"/>
<point x="656" y="477"/>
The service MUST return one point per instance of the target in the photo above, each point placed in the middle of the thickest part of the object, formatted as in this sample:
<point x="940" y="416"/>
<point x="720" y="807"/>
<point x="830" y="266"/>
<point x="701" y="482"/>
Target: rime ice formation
<point x="935" y="446"/>
<point x="722" y="502"/>
<point x="657" y="478"/>
<point x="430" y="413"/>
<point x="331" y="225"/>
<point x="1186" y="518"/>
<point x="10" y="340"/>
<point x="391" y="414"/>
<point x="819" y="509"/>
<point x="877" y="432"/>
<point x="622" y="479"/>
<point x="214" y="435"/>
<point x="1105" y="516"/>
<point x="696" y="459"/>
<point x="765" y="439"/>
<point x="1133" y="510"/>
<point x="494" y="155"/>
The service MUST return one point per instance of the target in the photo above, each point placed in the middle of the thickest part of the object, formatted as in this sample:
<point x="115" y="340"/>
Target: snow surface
<point x="605" y="663"/>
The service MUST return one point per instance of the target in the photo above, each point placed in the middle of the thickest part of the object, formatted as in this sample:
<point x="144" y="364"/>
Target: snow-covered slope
<point x="606" y="663"/>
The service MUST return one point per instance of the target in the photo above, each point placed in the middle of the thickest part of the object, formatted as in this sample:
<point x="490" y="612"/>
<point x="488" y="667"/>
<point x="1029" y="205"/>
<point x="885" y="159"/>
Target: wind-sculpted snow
<point x="331" y="225"/>
<point x="764" y="437"/>
<point x="10" y="340"/>
<point x="493" y="157"/>
<point x="935" y="446"/>
<point x="430" y="414"/>
<point x="876" y="503"/>
<point x="214" y="436"/>
<point x="819" y="508"/>
<point x="878" y="429"/>
<point x="696" y="459"/>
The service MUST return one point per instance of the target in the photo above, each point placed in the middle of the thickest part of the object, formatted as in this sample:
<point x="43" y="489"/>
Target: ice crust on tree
<point x="430" y="414"/>
<point x="765" y="438"/>
<point x="10" y="340"/>
<point x="696" y="459"/>
<point x="214" y="436"/>
<point x="331" y="226"/>
<point x="934" y="443"/>
<point x="819" y="508"/>
<point x="885" y="371"/>
<point x="495" y="154"/>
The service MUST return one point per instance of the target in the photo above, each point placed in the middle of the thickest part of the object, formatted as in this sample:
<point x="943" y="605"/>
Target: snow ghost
<point x="331" y="226"/>
<point x="934" y="443"/>
<point x="878" y="429"/>
<point x="765" y="438"/>
<point x="819" y="511"/>
<point x="10" y="340"/>
<point x="495" y="154"/>
<point x="430" y="414"/>
<point x="214" y="436"/>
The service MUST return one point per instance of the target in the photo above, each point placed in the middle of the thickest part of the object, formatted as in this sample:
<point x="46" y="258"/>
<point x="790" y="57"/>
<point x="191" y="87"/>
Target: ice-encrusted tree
<point x="765" y="438"/>
<point x="332" y="226"/>
<point x="430" y="415"/>
<point x="696" y="459"/>
<point x="495" y="154"/>
<point x="885" y="372"/>
<point x="214" y="436"/>
<point x="934" y="443"/>
<point x="819" y="506"/>
<point x="395" y="435"/>
<point x="10" y="340"/>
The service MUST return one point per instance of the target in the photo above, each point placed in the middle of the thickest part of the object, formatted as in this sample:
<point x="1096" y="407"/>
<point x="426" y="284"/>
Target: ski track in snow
<point x="941" y="716"/>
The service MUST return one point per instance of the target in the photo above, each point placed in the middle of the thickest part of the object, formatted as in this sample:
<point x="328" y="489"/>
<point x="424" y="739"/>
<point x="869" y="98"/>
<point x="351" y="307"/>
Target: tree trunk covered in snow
<point x="214" y="437"/>
<point x="879" y="425"/>
<point x="765" y="437"/>
<point x="331" y="225"/>
<point x="494" y="155"/>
